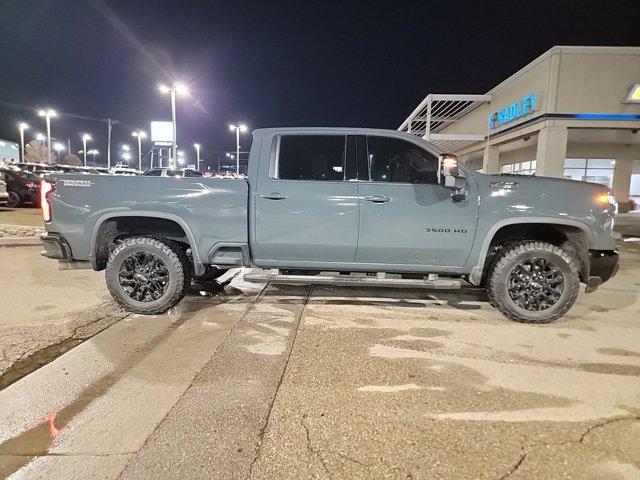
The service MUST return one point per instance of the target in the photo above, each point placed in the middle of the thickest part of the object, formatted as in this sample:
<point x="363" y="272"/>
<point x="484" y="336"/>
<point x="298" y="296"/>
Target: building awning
<point x="438" y="111"/>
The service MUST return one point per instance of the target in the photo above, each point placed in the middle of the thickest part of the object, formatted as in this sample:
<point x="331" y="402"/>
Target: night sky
<point x="270" y="63"/>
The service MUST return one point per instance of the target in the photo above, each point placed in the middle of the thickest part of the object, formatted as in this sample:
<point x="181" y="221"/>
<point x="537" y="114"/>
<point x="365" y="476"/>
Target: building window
<point x="312" y="157"/>
<point x="399" y="161"/>
<point x="520" y="168"/>
<point x="594" y="170"/>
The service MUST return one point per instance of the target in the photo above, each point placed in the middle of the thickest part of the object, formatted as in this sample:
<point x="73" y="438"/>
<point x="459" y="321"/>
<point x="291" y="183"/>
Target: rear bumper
<point x="56" y="247"/>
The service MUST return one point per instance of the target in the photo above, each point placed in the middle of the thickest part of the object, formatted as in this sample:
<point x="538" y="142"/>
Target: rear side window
<point x="312" y="157"/>
<point x="399" y="161"/>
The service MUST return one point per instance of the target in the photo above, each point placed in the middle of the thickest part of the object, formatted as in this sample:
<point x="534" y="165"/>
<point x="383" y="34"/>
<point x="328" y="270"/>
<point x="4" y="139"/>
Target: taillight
<point x="47" y="187"/>
<point x="30" y="185"/>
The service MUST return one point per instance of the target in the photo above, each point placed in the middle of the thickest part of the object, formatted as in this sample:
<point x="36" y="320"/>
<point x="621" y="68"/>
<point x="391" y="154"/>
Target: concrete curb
<point x="20" y="241"/>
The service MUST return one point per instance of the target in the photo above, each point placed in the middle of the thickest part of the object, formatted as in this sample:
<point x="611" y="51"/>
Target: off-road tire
<point x="509" y="258"/>
<point x="175" y="261"/>
<point x="210" y="274"/>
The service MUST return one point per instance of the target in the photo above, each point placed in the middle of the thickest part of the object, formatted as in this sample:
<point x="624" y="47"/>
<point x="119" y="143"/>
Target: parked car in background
<point x="172" y="172"/>
<point x="124" y="170"/>
<point x="4" y="196"/>
<point x="22" y="187"/>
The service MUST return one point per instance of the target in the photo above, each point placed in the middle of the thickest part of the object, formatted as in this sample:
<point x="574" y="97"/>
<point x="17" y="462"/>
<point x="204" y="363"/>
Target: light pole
<point x="85" y="138"/>
<point x="22" y="126"/>
<point x="239" y="128"/>
<point x="139" y="134"/>
<point x="93" y="152"/>
<point x="197" y="147"/>
<point x="41" y="138"/>
<point x="59" y="147"/>
<point x="178" y="88"/>
<point x="47" y="114"/>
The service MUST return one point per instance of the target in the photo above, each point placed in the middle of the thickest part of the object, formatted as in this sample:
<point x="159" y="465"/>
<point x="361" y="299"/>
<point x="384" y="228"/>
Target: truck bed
<point x="211" y="211"/>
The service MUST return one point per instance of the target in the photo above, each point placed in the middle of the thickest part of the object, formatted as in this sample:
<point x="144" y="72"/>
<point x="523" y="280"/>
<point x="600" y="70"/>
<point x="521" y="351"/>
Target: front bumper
<point x="56" y="247"/>
<point x="603" y="264"/>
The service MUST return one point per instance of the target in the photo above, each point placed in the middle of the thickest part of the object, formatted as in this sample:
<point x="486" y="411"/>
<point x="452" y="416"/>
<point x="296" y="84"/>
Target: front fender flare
<point x="475" y="277"/>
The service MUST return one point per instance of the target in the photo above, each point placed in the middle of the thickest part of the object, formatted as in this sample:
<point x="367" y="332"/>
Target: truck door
<point x="406" y="217"/>
<point x="306" y="208"/>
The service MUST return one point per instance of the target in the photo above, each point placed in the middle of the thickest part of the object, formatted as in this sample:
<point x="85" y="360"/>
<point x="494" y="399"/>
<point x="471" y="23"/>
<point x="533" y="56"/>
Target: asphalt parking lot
<point x="284" y="382"/>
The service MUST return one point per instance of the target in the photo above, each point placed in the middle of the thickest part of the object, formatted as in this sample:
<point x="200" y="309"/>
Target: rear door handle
<point x="274" y="196"/>
<point x="377" y="198"/>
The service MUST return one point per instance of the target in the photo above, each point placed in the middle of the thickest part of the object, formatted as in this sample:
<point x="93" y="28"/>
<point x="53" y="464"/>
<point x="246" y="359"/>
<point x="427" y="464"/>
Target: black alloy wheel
<point x="143" y="276"/>
<point x="536" y="284"/>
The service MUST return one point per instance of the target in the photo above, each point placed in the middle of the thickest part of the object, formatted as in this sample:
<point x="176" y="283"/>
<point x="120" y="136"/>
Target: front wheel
<point x="148" y="275"/>
<point x="534" y="282"/>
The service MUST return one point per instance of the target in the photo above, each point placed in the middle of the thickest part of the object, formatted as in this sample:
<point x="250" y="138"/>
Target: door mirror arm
<point x="449" y="177"/>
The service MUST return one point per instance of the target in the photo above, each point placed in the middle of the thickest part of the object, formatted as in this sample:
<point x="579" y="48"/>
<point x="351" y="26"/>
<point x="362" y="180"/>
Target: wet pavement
<point x="339" y="383"/>
<point x="44" y="311"/>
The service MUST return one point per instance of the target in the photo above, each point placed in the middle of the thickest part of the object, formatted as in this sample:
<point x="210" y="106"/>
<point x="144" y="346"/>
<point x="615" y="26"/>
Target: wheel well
<point x="565" y="236"/>
<point x="113" y="230"/>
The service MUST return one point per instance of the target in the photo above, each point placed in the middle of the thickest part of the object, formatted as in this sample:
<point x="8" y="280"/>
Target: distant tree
<point x="72" y="159"/>
<point x="35" y="152"/>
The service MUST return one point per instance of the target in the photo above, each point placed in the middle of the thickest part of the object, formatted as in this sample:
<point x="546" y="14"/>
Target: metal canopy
<point x="436" y="112"/>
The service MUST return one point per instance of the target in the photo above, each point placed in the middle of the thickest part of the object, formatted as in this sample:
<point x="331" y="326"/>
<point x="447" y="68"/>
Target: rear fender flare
<point x="198" y="266"/>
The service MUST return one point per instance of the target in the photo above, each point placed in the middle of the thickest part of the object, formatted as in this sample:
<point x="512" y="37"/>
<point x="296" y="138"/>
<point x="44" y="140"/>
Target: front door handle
<point x="274" y="196"/>
<point x="377" y="199"/>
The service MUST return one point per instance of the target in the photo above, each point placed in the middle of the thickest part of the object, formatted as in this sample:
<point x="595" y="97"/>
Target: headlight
<point x="605" y="199"/>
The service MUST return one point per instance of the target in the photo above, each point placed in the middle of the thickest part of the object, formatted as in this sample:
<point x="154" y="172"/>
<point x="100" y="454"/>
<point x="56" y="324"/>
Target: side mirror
<point x="449" y="177"/>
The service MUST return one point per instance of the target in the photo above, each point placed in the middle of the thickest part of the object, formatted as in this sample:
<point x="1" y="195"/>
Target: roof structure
<point x="436" y="112"/>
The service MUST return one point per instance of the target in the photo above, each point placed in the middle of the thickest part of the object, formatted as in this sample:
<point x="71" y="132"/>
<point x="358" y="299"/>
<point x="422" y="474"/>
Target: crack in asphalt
<point x="284" y="370"/>
<point x="580" y="441"/>
<point x="310" y="448"/>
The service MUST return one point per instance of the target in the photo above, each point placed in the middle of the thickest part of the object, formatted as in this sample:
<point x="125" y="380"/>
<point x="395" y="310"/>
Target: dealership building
<point x="573" y="112"/>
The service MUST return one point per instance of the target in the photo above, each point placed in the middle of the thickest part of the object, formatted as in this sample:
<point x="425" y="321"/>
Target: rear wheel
<point x="148" y="275"/>
<point x="534" y="282"/>
<point x="14" y="200"/>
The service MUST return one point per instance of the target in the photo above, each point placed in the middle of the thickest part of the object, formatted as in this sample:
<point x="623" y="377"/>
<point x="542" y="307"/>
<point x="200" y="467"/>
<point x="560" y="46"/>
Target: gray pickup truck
<point x="339" y="206"/>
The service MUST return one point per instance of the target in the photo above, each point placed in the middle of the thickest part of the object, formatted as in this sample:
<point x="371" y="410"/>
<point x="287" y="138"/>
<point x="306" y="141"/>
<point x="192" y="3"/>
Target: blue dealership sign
<point x="522" y="107"/>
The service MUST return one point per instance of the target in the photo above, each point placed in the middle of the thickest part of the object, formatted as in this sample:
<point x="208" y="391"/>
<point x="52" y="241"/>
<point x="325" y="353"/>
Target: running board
<point x="380" y="280"/>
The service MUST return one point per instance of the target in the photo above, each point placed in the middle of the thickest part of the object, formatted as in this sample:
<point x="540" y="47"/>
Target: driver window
<point x="399" y="161"/>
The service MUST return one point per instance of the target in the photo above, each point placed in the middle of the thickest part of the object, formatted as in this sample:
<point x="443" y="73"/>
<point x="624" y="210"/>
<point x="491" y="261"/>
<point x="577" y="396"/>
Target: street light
<point x="48" y="114"/>
<point x="125" y="154"/>
<point x="239" y="128"/>
<point x="22" y="126"/>
<point x="93" y="152"/>
<point x="197" y="147"/>
<point x="139" y="134"/>
<point x="181" y="158"/>
<point x="85" y="138"/>
<point x="178" y="88"/>
<point x="59" y="147"/>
